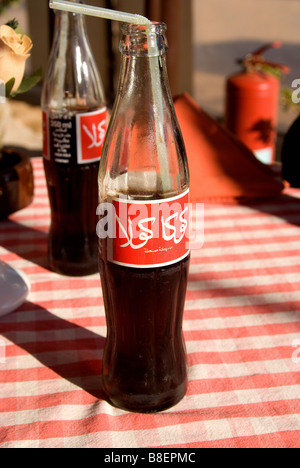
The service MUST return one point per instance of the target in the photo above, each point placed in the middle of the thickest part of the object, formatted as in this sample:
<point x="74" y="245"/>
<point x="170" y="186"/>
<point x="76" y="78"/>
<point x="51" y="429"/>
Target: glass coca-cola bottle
<point x="74" y="121"/>
<point x="143" y="229"/>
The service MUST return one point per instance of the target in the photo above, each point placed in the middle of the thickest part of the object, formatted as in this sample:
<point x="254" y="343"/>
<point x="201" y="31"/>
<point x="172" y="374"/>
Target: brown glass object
<point x="16" y="182"/>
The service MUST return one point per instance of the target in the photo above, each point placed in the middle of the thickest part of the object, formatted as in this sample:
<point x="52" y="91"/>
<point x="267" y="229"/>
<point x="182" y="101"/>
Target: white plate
<point x="14" y="289"/>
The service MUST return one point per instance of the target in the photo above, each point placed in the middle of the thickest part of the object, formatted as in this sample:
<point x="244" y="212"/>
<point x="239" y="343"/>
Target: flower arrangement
<point x="15" y="49"/>
<point x="16" y="174"/>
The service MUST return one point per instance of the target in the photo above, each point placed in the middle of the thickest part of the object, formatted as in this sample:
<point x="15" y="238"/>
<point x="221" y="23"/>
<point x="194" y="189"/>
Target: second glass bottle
<point x="74" y="120"/>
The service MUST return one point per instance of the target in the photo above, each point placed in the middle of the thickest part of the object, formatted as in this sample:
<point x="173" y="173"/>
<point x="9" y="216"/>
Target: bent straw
<point x="105" y="13"/>
<point x="98" y="12"/>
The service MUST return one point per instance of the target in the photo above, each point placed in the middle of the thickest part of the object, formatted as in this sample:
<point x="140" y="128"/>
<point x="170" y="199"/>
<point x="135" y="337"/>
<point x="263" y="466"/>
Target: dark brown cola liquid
<point x="73" y="196"/>
<point x="144" y="362"/>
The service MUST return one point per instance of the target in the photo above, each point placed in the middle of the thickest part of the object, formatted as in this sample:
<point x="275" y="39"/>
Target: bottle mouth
<point x="144" y="39"/>
<point x="136" y="29"/>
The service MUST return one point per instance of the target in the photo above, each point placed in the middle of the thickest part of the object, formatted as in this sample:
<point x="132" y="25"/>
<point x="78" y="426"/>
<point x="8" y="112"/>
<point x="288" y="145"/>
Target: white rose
<point x="14" y="51"/>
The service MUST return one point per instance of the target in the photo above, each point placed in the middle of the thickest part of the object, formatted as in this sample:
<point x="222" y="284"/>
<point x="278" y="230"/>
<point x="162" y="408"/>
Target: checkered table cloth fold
<point x="241" y="326"/>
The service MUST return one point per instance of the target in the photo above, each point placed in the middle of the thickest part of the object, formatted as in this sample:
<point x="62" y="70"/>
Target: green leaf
<point x="272" y="71"/>
<point x="14" y="24"/>
<point x="9" y="86"/>
<point x="29" y="82"/>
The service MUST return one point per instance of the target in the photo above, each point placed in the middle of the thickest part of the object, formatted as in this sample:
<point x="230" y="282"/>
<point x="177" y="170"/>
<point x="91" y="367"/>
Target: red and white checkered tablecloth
<point x="241" y="325"/>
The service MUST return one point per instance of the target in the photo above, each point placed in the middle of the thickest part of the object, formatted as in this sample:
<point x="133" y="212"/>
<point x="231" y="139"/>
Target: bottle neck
<point x="73" y="20"/>
<point x="69" y="24"/>
<point x="144" y="73"/>
<point x="73" y="81"/>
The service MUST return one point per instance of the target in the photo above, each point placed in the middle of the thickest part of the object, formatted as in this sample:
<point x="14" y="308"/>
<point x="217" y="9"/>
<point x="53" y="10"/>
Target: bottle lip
<point x="136" y="29"/>
<point x="144" y="40"/>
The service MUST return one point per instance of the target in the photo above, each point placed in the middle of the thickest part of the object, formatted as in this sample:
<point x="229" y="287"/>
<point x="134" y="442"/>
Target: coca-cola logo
<point x="146" y="233"/>
<point x="95" y="134"/>
<point x="91" y="131"/>
<point x="139" y="231"/>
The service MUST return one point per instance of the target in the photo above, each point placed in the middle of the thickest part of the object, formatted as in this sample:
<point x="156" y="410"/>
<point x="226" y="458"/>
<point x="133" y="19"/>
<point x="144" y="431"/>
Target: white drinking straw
<point x="124" y="17"/>
<point x="105" y="13"/>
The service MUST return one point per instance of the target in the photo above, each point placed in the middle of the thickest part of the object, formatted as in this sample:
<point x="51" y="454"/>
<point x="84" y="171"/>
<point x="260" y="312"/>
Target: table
<point x="241" y="325"/>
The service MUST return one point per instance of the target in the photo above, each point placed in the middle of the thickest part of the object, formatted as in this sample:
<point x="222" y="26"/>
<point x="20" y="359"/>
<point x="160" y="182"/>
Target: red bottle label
<point x="150" y="234"/>
<point x="91" y="131"/>
<point x="75" y="140"/>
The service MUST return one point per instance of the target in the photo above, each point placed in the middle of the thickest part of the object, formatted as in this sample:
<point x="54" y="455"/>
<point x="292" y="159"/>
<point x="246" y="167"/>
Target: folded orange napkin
<point x="222" y="168"/>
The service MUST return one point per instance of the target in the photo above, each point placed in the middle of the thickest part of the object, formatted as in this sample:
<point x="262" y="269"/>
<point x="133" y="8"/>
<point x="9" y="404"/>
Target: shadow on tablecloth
<point x="28" y="243"/>
<point x="284" y="206"/>
<point x="64" y="348"/>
